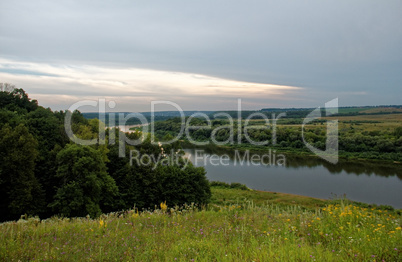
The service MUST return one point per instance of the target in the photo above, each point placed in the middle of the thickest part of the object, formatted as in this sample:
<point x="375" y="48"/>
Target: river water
<point x="363" y="181"/>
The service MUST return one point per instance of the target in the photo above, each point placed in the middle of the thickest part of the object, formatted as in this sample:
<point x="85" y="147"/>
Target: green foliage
<point x="146" y="186"/>
<point x="183" y="185"/>
<point x="16" y="100"/>
<point x="226" y="185"/>
<point x="85" y="187"/>
<point x="41" y="174"/>
<point x="48" y="130"/>
<point x="10" y="118"/>
<point x="398" y="132"/>
<point x="376" y="144"/>
<point x="20" y="191"/>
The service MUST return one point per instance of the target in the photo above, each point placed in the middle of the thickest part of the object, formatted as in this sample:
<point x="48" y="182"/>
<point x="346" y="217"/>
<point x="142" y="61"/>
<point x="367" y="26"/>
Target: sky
<point x="203" y="55"/>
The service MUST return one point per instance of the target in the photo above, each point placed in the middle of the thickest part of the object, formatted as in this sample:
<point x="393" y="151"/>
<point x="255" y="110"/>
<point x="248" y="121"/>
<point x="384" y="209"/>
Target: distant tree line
<point x="381" y="145"/>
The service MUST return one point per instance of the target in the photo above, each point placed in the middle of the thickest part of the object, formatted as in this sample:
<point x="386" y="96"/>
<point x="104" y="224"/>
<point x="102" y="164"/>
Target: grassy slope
<point x="238" y="226"/>
<point x="223" y="197"/>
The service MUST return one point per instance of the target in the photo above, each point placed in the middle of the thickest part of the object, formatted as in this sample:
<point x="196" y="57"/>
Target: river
<point x="362" y="181"/>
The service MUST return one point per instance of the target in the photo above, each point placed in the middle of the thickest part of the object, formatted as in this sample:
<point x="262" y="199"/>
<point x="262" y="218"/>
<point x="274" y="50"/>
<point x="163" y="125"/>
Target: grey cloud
<point x="327" y="46"/>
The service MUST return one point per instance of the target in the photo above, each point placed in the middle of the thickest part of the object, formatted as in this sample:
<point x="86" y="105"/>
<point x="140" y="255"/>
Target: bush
<point x="84" y="186"/>
<point x="145" y="187"/>
<point x="226" y="185"/>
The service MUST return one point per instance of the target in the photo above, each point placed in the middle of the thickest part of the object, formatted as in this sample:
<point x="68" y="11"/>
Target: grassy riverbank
<point x="352" y="157"/>
<point x="238" y="225"/>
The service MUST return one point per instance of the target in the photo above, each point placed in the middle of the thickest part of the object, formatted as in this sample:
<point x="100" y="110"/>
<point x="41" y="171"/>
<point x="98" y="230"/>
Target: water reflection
<point x="369" y="182"/>
<point x="295" y="161"/>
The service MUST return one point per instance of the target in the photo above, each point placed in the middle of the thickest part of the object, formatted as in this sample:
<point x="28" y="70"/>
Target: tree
<point x="48" y="130"/>
<point x="20" y="192"/>
<point x="85" y="188"/>
<point x="398" y="132"/>
<point x="15" y="99"/>
<point x="183" y="185"/>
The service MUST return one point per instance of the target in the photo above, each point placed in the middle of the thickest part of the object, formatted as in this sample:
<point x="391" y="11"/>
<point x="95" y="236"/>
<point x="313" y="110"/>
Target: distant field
<point x="380" y="118"/>
<point x="359" y="122"/>
<point x="381" y="110"/>
<point x="351" y="110"/>
<point x="369" y="122"/>
<point x="366" y="110"/>
<point x="369" y="110"/>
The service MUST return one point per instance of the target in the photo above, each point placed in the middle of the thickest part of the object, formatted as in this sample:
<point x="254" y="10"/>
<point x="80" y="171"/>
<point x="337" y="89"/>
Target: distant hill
<point x="290" y="113"/>
<point x="158" y="116"/>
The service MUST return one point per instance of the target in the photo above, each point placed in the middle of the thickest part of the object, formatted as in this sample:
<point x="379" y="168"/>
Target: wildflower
<point x="163" y="206"/>
<point x="398" y="228"/>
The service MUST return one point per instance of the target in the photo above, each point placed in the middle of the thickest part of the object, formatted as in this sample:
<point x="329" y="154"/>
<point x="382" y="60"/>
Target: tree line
<point x="376" y="144"/>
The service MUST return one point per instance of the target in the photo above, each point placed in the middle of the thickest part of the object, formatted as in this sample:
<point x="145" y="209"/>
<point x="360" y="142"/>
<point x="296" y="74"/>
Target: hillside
<point x="239" y="225"/>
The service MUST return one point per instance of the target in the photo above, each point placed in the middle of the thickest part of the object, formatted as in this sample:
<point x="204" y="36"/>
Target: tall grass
<point x="240" y="231"/>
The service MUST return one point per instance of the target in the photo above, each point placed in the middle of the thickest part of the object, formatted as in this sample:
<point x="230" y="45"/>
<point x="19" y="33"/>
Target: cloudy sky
<point x="203" y="55"/>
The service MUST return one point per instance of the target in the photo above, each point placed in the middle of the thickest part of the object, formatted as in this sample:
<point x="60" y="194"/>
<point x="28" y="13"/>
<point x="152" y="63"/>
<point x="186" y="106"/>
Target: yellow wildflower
<point x="163" y="206"/>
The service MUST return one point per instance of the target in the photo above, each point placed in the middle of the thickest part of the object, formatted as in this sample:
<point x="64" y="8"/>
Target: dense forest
<point x="43" y="173"/>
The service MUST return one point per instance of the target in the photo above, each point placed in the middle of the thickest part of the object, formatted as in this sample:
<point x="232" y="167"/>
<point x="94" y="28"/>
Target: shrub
<point x="226" y="185"/>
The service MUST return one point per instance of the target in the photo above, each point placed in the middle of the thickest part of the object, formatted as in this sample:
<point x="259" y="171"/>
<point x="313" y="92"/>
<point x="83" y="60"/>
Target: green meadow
<point x="238" y="225"/>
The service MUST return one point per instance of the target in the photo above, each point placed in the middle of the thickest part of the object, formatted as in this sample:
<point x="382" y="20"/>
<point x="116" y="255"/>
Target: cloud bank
<point x="134" y="88"/>
<point x="336" y="48"/>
